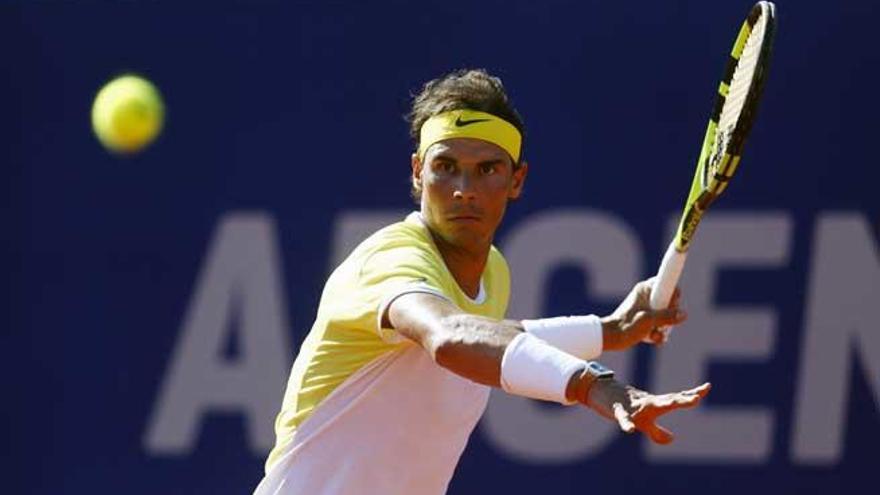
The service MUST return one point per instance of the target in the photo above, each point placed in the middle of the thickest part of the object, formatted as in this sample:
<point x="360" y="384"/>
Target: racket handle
<point x="664" y="286"/>
<point x="667" y="277"/>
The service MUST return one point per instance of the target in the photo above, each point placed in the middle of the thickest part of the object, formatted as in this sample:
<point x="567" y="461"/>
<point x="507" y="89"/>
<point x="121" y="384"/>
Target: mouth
<point x="464" y="218"/>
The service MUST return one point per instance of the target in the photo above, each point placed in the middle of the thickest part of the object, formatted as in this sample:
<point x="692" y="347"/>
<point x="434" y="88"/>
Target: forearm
<point x="484" y="350"/>
<point x="473" y="346"/>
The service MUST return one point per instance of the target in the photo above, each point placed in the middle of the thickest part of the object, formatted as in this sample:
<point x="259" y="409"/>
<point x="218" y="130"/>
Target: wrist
<point x="579" y="336"/>
<point x="585" y="381"/>
<point x="533" y="368"/>
<point x="602" y="396"/>
<point x="579" y="387"/>
<point x="610" y="332"/>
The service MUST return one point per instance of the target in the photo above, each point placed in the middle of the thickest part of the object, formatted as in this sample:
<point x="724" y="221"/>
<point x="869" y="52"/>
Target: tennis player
<point x="410" y="334"/>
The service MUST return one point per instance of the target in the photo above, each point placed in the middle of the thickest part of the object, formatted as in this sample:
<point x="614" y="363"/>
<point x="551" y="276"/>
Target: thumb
<point x="659" y="434"/>
<point x="623" y="419"/>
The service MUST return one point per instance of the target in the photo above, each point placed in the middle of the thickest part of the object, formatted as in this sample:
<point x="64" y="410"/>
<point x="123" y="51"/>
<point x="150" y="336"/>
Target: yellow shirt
<point x="347" y="333"/>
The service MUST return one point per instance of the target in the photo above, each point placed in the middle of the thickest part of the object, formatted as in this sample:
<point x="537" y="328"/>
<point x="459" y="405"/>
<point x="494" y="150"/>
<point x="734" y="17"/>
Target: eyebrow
<point x="447" y="158"/>
<point x="494" y="161"/>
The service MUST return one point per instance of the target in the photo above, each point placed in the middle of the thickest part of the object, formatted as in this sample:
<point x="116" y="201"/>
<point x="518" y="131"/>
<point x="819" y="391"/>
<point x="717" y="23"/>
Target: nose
<point x="463" y="188"/>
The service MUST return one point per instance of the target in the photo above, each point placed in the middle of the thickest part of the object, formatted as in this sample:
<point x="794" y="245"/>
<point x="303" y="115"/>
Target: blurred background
<point x="156" y="300"/>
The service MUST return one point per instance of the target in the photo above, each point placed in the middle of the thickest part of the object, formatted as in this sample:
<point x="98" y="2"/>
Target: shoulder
<point x="402" y="248"/>
<point x="406" y="233"/>
<point x="402" y="234"/>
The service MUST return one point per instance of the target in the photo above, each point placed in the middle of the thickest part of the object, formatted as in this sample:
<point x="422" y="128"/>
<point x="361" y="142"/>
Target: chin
<point x="465" y="235"/>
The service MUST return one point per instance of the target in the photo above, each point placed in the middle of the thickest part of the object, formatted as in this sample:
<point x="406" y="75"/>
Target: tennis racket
<point x="732" y="117"/>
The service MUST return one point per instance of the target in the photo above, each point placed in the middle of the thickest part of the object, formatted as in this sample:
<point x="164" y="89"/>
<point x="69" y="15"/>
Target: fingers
<point x="684" y="401"/>
<point x="669" y="317"/>
<point x="681" y="400"/>
<point x="658" y="434"/>
<point x="623" y="419"/>
<point x="653" y="325"/>
<point x="657" y="406"/>
<point x="649" y="324"/>
<point x="655" y="319"/>
<point x="657" y="336"/>
<point x="676" y="298"/>
<point x="678" y="401"/>
<point x="701" y="391"/>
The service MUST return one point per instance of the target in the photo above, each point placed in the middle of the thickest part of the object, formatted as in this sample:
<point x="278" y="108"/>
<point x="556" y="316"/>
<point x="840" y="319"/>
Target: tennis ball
<point x="127" y="114"/>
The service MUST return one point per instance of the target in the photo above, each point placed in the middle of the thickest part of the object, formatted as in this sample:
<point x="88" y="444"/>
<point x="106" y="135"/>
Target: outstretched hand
<point x="634" y="320"/>
<point x="633" y="409"/>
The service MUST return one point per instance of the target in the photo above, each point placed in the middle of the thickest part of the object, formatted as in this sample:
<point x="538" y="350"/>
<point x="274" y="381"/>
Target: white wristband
<point x="579" y="336"/>
<point x="535" y="369"/>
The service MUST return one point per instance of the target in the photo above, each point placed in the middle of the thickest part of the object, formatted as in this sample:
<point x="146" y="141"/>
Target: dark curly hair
<point x="471" y="89"/>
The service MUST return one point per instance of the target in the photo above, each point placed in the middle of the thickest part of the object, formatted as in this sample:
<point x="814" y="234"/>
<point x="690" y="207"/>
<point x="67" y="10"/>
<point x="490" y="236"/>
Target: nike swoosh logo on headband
<point x="462" y="123"/>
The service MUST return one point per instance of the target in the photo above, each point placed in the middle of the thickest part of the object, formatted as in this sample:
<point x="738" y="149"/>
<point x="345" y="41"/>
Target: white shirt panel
<point x="397" y="426"/>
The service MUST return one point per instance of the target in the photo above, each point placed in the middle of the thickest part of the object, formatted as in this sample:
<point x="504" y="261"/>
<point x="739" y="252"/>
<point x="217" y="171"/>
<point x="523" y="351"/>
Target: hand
<point x="634" y="319"/>
<point x="635" y="409"/>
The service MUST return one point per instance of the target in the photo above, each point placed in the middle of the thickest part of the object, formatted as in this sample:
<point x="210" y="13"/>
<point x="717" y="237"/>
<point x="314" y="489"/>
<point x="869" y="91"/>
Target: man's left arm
<point x="496" y="353"/>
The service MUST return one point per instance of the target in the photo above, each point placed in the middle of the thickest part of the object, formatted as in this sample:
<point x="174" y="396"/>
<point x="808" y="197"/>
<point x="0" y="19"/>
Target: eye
<point x="487" y="168"/>
<point x="445" y="167"/>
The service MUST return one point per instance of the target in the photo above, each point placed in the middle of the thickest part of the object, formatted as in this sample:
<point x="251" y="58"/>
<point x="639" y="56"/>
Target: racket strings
<point x="732" y="108"/>
<point x="742" y="78"/>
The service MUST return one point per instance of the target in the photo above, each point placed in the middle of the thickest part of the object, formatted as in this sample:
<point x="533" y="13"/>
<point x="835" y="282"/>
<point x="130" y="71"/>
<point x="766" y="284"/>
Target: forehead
<point x="465" y="149"/>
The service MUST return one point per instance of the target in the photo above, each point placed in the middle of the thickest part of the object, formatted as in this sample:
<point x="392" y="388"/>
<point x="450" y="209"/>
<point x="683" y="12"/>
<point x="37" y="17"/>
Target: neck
<point x="465" y="263"/>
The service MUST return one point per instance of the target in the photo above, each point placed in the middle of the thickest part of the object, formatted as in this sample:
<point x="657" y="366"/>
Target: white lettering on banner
<point x="608" y="252"/>
<point x="241" y="276"/>
<point x="239" y="289"/>
<point x="840" y="324"/>
<point x="740" y="334"/>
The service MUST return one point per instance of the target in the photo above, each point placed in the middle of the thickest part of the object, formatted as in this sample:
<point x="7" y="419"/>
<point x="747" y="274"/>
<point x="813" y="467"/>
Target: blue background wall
<point x="293" y="109"/>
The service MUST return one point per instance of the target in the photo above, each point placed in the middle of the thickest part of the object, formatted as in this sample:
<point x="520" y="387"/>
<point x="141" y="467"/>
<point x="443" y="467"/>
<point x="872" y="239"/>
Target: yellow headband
<point x="470" y="124"/>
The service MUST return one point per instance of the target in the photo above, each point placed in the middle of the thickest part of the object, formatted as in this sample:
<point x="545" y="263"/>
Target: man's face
<point x="465" y="185"/>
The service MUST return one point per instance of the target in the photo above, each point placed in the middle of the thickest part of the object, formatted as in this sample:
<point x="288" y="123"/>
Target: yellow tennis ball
<point x="127" y="114"/>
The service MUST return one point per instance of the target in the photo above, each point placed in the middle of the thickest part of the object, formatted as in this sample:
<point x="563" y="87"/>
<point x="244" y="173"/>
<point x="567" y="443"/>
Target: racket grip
<point x="667" y="277"/>
<point x="664" y="286"/>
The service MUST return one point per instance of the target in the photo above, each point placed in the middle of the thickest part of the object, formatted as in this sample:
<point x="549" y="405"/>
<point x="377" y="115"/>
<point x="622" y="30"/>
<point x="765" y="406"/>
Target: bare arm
<point x="468" y="345"/>
<point x="473" y="347"/>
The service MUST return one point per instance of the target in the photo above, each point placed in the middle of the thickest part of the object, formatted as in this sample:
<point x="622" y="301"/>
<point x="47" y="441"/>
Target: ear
<point x="518" y="180"/>
<point x="416" y="163"/>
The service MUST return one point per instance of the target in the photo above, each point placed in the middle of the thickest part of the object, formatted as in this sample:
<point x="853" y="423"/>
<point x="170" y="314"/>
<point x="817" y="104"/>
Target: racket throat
<point x="691" y="220"/>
